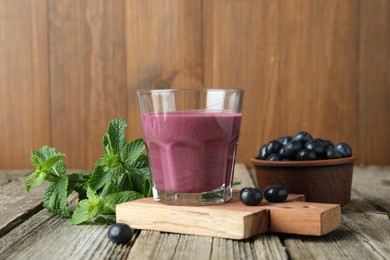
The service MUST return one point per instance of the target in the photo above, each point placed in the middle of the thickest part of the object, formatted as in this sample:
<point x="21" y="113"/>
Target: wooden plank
<point x="233" y="219"/>
<point x="24" y="82"/>
<point x="164" y="49"/>
<point x="48" y="236"/>
<point x="364" y="229"/>
<point x="265" y="246"/>
<point x="217" y="221"/>
<point x="16" y="205"/>
<point x="242" y="49"/>
<point x="373" y="184"/>
<point x="363" y="235"/>
<point x="319" y="49"/>
<point x="243" y="222"/>
<point x="242" y="177"/>
<point x="153" y="244"/>
<point x="87" y="75"/>
<point x="374" y="81"/>
<point x="6" y="176"/>
<point x="304" y="218"/>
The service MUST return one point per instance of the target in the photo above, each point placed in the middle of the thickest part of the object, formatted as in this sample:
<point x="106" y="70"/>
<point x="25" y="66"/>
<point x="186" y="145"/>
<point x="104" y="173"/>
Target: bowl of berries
<point x="315" y="167"/>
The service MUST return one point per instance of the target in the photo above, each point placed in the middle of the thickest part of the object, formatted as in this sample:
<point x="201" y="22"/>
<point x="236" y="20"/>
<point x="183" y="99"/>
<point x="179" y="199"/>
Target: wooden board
<point x="233" y="219"/>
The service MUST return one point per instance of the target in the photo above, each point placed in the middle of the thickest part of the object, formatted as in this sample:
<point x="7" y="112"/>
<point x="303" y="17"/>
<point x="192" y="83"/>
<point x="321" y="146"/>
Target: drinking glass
<point x="191" y="137"/>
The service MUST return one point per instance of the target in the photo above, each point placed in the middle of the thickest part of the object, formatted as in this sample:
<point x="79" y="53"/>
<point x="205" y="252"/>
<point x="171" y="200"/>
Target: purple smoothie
<point x="191" y="152"/>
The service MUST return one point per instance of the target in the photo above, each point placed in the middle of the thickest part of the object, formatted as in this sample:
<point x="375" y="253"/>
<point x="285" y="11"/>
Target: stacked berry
<point x="302" y="146"/>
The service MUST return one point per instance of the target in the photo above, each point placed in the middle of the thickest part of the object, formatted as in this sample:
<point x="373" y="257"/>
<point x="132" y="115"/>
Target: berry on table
<point x="251" y="196"/>
<point x="275" y="193"/>
<point x="120" y="233"/>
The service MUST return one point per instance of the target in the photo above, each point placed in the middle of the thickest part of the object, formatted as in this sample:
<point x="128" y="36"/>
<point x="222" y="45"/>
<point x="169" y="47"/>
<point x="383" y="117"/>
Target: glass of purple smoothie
<point x="191" y="137"/>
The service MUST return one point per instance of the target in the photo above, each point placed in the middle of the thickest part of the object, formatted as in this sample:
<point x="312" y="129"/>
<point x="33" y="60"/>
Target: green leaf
<point x="55" y="196"/>
<point x="87" y="209"/>
<point x="116" y="135"/>
<point x="109" y="160"/>
<point x="37" y="159"/>
<point x="112" y="200"/>
<point x="107" y="146"/>
<point x="140" y="179"/>
<point x="105" y="220"/>
<point x="47" y="151"/>
<point x="35" y="179"/>
<point x="142" y="161"/>
<point x="52" y="161"/>
<point x="132" y="151"/>
<point x="111" y="182"/>
<point x="77" y="182"/>
<point x="148" y="188"/>
<point x="101" y="177"/>
<point x="46" y="159"/>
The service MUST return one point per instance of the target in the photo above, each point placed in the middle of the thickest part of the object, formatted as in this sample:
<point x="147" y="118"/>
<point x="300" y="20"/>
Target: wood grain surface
<point x="87" y="75"/>
<point x="164" y="49"/>
<point x="41" y="235"/>
<point x="374" y="80"/>
<point x="68" y="67"/>
<point x="24" y="81"/>
<point x="233" y="220"/>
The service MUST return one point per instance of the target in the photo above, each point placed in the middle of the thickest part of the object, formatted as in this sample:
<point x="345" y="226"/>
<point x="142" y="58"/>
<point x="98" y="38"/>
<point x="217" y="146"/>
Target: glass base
<point x="217" y="196"/>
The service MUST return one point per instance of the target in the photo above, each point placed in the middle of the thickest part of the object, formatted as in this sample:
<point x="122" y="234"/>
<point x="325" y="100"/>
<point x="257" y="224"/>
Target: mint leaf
<point x="141" y="180"/>
<point x="35" y="179"/>
<point x="45" y="158"/>
<point x="77" y="182"/>
<point x="55" y="197"/>
<point x="142" y="162"/>
<point x="110" y="202"/>
<point x="48" y="165"/>
<point x="105" y="220"/>
<point x="51" y="162"/>
<point x="87" y="209"/>
<point x="37" y="159"/>
<point x="121" y="174"/>
<point x="109" y="160"/>
<point x="132" y="151"/>
<point x="115" y="137"/>
<point x="102" y="177"/>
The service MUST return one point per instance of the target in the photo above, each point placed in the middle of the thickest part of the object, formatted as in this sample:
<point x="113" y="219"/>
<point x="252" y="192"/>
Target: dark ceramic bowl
<point x="325" y="181"/>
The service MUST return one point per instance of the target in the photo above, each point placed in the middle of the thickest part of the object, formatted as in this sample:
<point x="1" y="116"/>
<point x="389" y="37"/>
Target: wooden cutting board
<point x="232" y="220"/>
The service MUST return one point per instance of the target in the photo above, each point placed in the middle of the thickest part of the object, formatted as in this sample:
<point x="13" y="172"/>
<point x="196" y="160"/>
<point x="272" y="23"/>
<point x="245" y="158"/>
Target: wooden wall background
<point x="68" y="67"/>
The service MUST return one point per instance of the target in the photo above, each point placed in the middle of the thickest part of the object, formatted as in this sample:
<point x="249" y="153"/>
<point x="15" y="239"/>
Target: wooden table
<point x="28" y="231"/>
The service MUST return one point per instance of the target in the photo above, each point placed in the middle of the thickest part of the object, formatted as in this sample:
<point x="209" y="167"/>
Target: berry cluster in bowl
<point x="302" y="146"/>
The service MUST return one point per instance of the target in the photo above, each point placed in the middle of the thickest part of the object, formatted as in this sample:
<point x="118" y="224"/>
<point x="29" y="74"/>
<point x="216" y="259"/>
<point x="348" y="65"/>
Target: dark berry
<point x="275" y="193"/>
<point x="263" y="154"/>
<point x="306" y="154"/>
<point x="274" y="146"/>
<point x="285" y="139"/>
<point x="332" y="153"/>
<point x="320" y="140"/>
<point x="302" y="137"/>
<point x="275" y="157"/>
<point x="120" y="233"/>
<point x="344" y="149"/>
<point x="291" y="149"/>
<point x="251" y="196"/>
<point x="317" y="147"/>
<point x="328" y="144"/>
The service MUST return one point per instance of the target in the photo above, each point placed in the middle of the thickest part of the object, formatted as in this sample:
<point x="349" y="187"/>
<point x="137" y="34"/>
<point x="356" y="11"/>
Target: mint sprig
<point x="121" y="174"/>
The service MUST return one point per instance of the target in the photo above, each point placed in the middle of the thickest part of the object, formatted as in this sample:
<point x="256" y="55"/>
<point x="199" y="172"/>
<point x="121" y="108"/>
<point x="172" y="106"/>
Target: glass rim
<point x="145" y="91"/>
